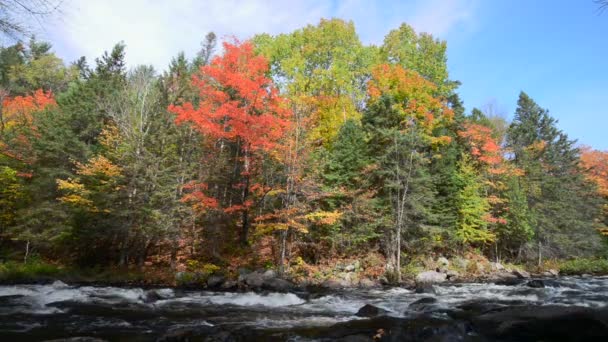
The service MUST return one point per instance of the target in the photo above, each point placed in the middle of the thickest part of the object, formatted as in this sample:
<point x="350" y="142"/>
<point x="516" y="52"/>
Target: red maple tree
<point x="17" y="121"/>
<point x="238" y="104"/>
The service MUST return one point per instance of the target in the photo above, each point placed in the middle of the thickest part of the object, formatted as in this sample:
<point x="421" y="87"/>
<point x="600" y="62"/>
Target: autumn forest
<point x="291" y="152"/>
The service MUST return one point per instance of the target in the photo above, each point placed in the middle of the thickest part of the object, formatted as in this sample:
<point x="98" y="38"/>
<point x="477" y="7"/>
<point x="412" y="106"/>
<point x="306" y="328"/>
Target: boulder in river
<point x="536" y="283"/>
<point x="521" y="274"/>
<point x="422" y="304"/>
<point x="430" y="277"/>
<point x="215" y="281"/>
<point x="254" y="280"/>
<point x="369" y="310"/>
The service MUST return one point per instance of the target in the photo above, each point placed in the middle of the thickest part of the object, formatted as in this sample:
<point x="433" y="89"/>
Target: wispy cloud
<point x="155" y="31"/>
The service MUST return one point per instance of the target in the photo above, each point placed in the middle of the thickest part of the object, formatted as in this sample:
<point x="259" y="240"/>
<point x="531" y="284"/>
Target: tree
<point x="239" y="106"/>
<point x="595" y="166"/>
<point x="402" y="118"/>
<point x="421" y="53"/>
<point x="555" y="188"/>
<point x="473" y="207"/>
<point x="323" y="70"/>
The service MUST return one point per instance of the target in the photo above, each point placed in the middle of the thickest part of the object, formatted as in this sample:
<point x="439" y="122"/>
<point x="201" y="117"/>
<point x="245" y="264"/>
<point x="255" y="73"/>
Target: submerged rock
<point x="422" y="304"/>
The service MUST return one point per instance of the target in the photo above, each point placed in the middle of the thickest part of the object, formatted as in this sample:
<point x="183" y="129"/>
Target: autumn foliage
<point x="17" y="118"/>
<point x="239" y="106"/>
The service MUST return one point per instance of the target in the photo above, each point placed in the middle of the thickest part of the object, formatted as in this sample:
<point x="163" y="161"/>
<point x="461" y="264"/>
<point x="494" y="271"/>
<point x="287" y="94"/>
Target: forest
<point x="289" y="152"/>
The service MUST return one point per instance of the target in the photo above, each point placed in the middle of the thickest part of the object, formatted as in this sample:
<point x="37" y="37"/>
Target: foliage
<point x="584" y="266"/>
<point x="290" y="151"/>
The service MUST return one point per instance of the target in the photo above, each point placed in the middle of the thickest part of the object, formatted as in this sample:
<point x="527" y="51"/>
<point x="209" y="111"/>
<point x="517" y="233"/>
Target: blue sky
<point x="555" y="50"/>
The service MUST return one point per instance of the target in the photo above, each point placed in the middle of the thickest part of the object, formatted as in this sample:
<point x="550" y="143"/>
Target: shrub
<point x="580" y="266"/>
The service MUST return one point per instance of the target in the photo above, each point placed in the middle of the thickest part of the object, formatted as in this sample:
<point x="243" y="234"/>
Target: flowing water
<point x="40" y="312"/>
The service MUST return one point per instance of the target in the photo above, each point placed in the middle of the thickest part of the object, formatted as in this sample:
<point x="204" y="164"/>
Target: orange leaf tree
<point x="240" y="110"/>
<point x="17" y="122"/>
<point x="595" y="163"/>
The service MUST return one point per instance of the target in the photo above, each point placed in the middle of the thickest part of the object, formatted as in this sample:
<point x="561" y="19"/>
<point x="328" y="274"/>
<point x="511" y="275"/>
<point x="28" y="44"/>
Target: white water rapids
<point x="88" y="308"/>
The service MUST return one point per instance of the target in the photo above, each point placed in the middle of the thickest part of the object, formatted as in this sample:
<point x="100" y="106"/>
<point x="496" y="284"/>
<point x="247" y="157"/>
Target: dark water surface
<point x="452" y="313"/>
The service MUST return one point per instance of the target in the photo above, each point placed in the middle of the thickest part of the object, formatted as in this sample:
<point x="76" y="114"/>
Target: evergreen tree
<point x="555" y="188"/>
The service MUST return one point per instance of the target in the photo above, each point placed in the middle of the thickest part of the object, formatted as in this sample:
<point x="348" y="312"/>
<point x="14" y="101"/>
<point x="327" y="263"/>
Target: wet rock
<point x="215" y="281"/>
<point x="504" y="278"/>
<point x="544" y="323"/>
<point x="58" y="284"/>
<point x="422" y="304"/>
<point x="521" y="274"/>
<point x="229" y="285"/>
<point x="431" y="277"/>
<point x="369" y="310"/>
<point x="152" y="296"/>
<point x="385" y="328"/>
<point x="367" y="283"/>
<point x="277" y="284"/>
<point x="425" y="288"/>
<point x="536" y="283"/>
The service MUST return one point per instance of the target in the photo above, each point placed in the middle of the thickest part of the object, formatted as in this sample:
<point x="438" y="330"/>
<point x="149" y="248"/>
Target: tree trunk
<point x="27" y="251"/>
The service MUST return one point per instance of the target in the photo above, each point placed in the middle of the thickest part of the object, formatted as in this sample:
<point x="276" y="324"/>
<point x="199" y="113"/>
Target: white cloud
<point x="154" y="31"/>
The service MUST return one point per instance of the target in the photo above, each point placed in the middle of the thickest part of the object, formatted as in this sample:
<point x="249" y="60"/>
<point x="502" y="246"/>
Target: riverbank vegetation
<point x="298" y="152"/>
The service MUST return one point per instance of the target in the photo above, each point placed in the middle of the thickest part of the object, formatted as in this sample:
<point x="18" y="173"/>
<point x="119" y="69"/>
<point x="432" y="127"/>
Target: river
<point x="452" y="312"/>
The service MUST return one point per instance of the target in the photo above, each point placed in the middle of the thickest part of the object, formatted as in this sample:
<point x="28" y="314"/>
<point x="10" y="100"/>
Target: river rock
<point x="366" y="283"/>
<point x="521" y="274"/>
<point x="422" y="304"/>
<point x="269" y="274"/>
<point x="544" y="323"/>
<point x="254" y="280"/>
<point x="451" y="274"/>
<point x="229" y="285"/>
<point x="386" y="328"/>
<point x="332" y="284"/>
<point x="496" y="266"/>
<point x="277" y="284"/>
<point x="425" y="288"/>
<point x="431" y="277"/>
<point x="504" y="278"/>
<point x="58" y="284"/>
<point x="369" y="310"/>
<point x="536" y="283"/>
<point x="215" y="281"/>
